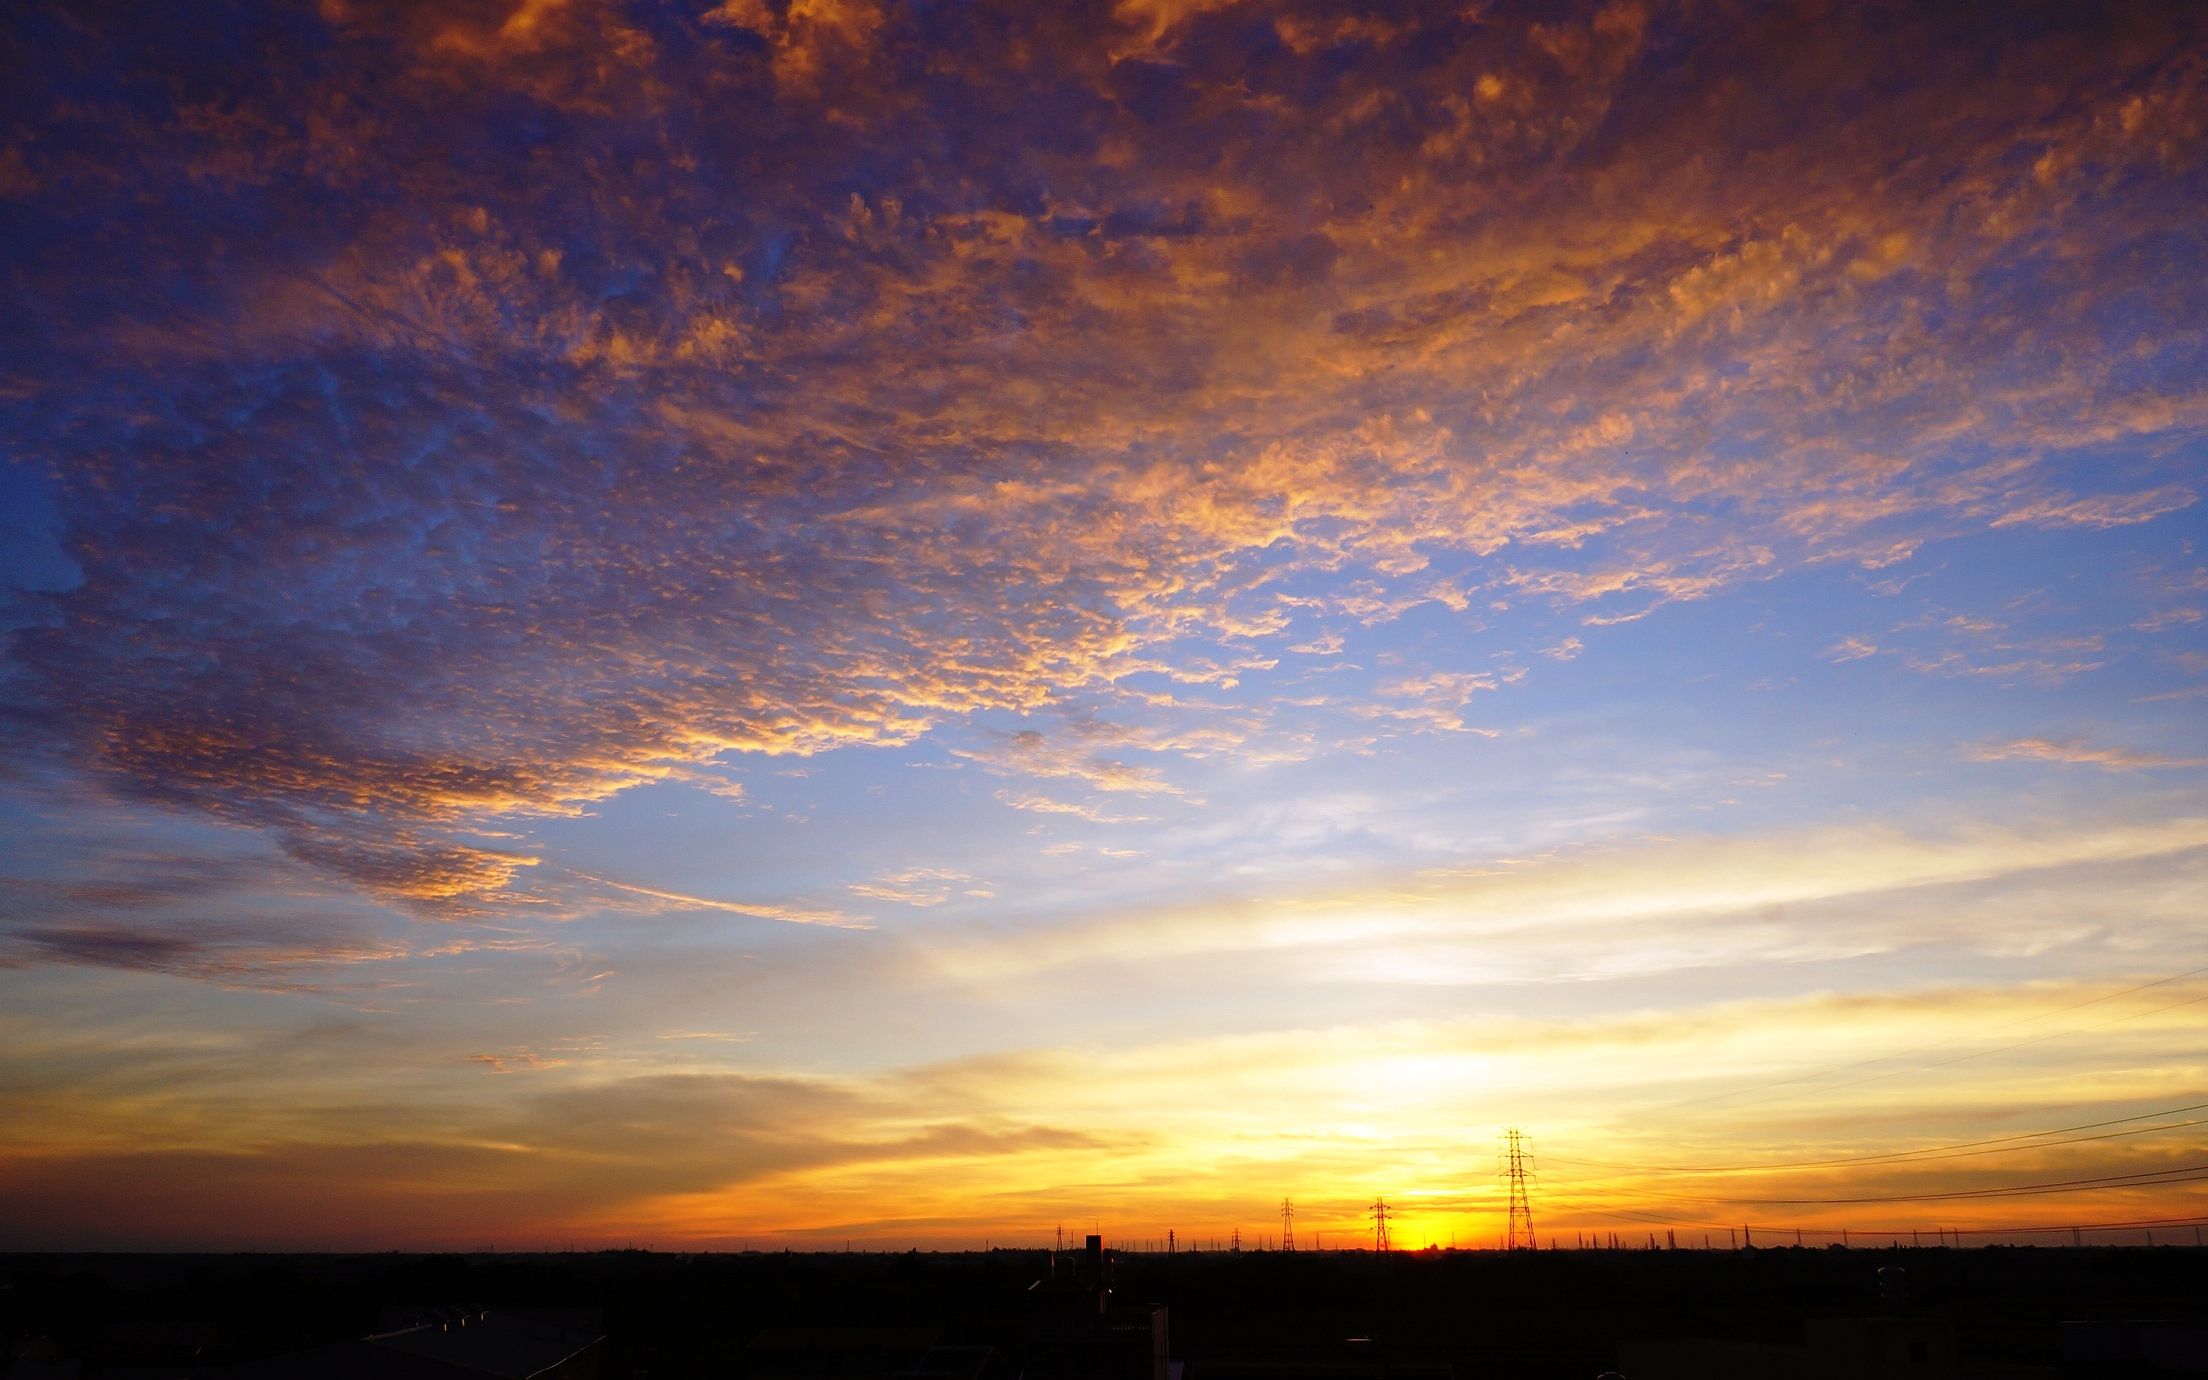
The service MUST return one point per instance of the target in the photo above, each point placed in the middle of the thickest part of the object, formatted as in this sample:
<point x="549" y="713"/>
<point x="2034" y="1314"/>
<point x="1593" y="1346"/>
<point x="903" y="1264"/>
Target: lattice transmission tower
<point x="1380" y="1224"/>
<point x="1518" y="1168"/>
<point x="1287" y="1225"/>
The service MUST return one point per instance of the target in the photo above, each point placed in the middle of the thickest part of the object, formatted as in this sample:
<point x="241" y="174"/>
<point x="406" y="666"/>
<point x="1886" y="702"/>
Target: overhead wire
<point x="1987" y="1053"/>
<point x="2048" y="1139"/>
<point x="1817" y="1073"/>
<point x="1853" y="1232"/>
<point x="1643" y="1208"/>
<point x="2024" y="1140"/>
<point x="2145" y="1178"/>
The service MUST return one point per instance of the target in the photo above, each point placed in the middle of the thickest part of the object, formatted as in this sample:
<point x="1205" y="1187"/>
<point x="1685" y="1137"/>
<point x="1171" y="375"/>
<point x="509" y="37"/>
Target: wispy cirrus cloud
<point x="2107" y="510"/>
<point x="796" y="915"/>
<point x="521" y="1060"/>
<point x="921" y="887"/>
<point x="2079" y="753"/>
<point x="1071" y="755"/>
<point x="1043" y="804"/>
<point x="245" y="953"/>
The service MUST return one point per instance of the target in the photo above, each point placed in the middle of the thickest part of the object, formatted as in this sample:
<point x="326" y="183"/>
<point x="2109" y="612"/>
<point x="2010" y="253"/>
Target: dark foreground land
<point x="1004" y="1314"/>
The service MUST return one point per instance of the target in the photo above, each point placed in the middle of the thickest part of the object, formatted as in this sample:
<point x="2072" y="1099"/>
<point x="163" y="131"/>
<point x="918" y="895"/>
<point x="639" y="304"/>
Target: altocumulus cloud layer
<point x="463" y="411"/>
<point x="1229" y="507"/>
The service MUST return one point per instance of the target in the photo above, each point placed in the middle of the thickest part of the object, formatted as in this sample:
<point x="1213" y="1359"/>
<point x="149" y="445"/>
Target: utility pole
<point x="1287" y="1225"/>
<point x="1516" y="1162"/>
<point x="1380" y="1225"/>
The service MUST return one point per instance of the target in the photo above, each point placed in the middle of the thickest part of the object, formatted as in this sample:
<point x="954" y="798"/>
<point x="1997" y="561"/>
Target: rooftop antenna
<point x="1380" y="1224"/>
<point x="1287" y="1225"/>
<point x="1517" y="1164"/>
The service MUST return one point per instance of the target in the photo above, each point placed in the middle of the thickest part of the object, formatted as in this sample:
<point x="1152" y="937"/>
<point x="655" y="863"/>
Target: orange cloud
<point x="2078" y="753"/>
<point x="656" y="444"/>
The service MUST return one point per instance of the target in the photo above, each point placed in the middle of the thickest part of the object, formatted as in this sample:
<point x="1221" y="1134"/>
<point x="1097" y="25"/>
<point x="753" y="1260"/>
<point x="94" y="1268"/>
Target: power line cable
<point x="1817" y="1073"/>
<point x="1983" y="1053"/>
<point x="2200" y="1221"/>
<point x="2146" y="1178"/>
<point x="1963" y="1149"/>
<point x="1852" y="1230"/>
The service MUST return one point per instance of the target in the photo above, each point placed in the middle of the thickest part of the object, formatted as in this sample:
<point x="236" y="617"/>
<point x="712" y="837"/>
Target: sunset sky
<point x="797" y="621"/>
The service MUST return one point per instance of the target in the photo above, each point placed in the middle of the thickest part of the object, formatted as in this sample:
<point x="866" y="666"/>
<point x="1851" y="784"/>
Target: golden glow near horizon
<point x="781" y="624"/>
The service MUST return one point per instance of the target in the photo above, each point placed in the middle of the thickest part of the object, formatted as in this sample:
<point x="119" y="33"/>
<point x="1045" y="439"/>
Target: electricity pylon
<point x="1517" y="1164"/>
<point x="1380" y="1224"/>
<point x="1287" y="1225"/>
